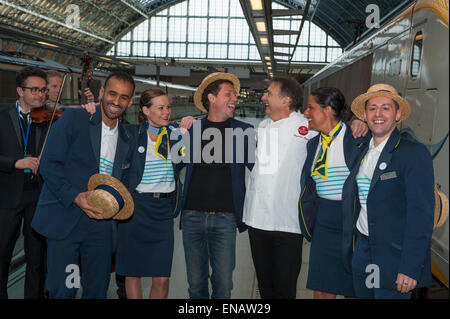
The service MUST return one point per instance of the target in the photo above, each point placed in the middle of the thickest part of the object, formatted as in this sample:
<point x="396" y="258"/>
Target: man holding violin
<point x="21" y="141"/>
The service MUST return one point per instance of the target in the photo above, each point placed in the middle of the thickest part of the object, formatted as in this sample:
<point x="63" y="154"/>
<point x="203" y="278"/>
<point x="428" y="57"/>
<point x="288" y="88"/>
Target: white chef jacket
<point x="271" y="200"/>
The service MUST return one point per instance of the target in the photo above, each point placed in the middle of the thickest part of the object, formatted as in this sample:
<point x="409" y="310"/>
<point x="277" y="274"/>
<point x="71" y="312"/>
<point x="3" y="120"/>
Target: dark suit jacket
<point x="11" y="150"/>
<point x="400" y="211"/>
<point x="70" y="158"/>
<point x="239" y="162"/>
<point x="139" y="134"/>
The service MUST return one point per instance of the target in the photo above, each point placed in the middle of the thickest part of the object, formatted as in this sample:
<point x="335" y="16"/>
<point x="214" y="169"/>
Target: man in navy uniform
<point x="79" y="146"/>
<point x="393" y="188"/>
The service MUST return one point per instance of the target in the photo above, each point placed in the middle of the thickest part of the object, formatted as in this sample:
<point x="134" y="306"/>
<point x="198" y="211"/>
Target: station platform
<point x="244" y="277"/>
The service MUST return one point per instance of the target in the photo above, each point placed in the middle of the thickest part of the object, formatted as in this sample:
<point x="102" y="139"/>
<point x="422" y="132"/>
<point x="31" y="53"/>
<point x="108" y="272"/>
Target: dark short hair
<point x="27" y="72"/>
<point x="121" y="75"/>
<point x="333" y="97"/>
<point x="291" y="88"/>
<point x="213" y="88"/>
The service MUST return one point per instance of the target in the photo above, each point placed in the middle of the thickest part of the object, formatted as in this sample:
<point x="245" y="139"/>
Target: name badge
<point x="388" y="175"/>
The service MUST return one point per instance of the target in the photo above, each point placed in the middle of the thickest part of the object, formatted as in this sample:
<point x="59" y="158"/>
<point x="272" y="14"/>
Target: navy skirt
<point x="145" y="241"/>
<point x="326" y="270"/>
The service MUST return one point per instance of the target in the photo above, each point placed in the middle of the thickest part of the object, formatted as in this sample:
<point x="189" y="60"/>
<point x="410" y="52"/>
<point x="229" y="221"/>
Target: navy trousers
<point x="362" y="284"/>
<point x="83" y="257"/>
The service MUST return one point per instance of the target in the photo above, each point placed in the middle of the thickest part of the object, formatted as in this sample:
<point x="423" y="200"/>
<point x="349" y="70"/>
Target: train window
<point x="416" y="54"/>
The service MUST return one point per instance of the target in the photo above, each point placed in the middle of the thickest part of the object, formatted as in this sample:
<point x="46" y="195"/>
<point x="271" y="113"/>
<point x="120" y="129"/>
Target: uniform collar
<point x="380" y="146"/>
<point x="106" y="130"/>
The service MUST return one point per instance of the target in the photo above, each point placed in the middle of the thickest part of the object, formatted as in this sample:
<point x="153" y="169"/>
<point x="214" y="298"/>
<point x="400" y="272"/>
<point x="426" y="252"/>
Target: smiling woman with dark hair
<point x="331" y="155"/>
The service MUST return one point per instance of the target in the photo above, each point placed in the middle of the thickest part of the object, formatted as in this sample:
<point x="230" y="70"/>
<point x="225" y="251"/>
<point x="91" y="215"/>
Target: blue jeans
<point x="209" y="239"/>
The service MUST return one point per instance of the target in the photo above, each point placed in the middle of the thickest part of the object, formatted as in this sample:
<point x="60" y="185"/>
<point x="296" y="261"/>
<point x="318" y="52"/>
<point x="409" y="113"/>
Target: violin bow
<point x="53" y="114"/>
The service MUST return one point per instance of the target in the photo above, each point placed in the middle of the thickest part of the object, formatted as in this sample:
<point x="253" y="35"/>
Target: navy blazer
<point x="71" y="156"/>
<point x="237" y="168"/>
<point x="133" y="179"/>
<point x="308" y="196"/>
<point x="400" y="211"/>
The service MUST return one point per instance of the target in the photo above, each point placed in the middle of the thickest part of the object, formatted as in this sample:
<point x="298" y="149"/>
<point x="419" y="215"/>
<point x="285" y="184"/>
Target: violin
<point x="45" y="113"/>
<point x="41" y="114"/>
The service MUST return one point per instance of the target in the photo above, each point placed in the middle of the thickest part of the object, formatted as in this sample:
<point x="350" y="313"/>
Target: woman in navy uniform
<point x="145" y="241"/>
<point x="331" y="155"/>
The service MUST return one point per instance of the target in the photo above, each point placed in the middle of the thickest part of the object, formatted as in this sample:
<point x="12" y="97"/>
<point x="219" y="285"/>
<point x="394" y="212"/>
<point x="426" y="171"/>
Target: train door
<point x="415" y="58"/>
<point x="396" y="61"/>
<point x="379" y="64"/>
<point x="420" y="124"/>
<point x="427" y="92"/>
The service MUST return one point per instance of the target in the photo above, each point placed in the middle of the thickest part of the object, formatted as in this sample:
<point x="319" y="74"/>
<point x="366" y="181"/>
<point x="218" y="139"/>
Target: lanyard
<point x="25" y="139"/>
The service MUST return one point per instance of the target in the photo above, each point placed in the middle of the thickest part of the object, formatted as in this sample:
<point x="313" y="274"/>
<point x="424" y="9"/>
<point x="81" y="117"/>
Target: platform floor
<point x="244" y="279"/>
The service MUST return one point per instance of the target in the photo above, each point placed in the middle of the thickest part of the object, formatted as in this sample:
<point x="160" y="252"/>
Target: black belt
<point x="158" y="195"/>
<point x="215" y="212"/>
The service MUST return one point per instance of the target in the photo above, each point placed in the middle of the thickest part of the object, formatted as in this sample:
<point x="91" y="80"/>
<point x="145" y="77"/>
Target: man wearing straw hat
<point x="79" y="146"/>
<point x="393" y="188"/>
<point x="214" y="191"/>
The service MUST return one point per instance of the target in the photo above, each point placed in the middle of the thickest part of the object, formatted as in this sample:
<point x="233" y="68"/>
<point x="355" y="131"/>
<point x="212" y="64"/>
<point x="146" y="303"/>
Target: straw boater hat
<point x="440" y="208"/>
<point x="210" y="79"/>
<point x="111" y="196"/>
<point x="386" y="90"/>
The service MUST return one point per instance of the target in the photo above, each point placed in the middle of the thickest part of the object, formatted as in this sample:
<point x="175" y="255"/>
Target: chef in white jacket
<point x="270" y="207"/>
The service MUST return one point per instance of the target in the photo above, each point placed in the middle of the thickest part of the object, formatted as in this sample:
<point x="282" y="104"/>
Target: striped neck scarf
<point x="321" y="163"/>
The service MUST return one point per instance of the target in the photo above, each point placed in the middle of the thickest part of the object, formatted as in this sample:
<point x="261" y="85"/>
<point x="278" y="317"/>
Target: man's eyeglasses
<point x="34" y="90"/>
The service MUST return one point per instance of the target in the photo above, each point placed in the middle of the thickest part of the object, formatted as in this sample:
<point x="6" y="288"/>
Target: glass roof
<point x="217" y="30"/>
